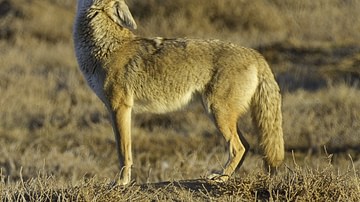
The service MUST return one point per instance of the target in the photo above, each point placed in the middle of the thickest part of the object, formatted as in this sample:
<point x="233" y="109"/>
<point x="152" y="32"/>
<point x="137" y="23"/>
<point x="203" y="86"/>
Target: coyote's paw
<point x="218" y="177"/>
<point x="123" y="182"/>
<point x="116" y="184"/>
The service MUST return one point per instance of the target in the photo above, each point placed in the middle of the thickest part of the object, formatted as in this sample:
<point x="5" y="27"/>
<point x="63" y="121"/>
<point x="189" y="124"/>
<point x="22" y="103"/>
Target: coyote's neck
<point x="96" y="36"/>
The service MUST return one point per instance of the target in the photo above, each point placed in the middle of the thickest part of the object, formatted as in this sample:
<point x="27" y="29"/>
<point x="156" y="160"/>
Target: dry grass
<point x="294" y="184"/>
<point x="253" y="22"/>
<point x="57" y="144"/>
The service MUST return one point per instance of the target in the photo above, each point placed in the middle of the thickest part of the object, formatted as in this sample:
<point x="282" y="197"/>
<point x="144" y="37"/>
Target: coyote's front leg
<point x="121" y="123"/>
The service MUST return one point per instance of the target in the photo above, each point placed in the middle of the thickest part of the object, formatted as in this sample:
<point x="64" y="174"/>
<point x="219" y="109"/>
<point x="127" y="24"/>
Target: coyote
<point x="157" y="75"/>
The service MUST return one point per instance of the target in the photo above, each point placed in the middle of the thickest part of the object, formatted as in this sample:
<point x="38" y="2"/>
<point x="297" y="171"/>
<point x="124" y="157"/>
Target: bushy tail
<point x="266" y="114"/>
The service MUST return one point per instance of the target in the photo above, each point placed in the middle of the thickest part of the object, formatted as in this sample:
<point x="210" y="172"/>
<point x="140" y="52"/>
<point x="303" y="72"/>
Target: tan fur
<point x="157" y="75"/>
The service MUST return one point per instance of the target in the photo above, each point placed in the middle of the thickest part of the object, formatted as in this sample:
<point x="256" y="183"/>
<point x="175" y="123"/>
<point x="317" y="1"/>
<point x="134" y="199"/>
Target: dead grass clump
<point x="325" y="117"/>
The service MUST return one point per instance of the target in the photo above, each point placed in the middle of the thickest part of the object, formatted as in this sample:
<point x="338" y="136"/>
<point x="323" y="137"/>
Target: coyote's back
<point x="158" y="75"/>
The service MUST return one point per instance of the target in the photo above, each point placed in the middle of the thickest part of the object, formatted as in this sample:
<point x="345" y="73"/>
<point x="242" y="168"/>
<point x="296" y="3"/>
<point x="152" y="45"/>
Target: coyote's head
<point x="117" y="10"/>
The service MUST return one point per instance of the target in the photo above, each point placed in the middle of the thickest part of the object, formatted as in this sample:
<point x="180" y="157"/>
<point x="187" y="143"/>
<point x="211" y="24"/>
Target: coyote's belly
<point x="162" y="104"/>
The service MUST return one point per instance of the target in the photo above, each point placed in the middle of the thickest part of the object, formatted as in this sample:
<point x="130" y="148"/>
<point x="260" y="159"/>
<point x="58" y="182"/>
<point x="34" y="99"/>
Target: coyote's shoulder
<point x="131" y="73"/>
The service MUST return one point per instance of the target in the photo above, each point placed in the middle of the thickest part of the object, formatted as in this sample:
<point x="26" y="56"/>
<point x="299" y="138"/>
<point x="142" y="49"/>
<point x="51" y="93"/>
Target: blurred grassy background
<point x="52" y="123"/>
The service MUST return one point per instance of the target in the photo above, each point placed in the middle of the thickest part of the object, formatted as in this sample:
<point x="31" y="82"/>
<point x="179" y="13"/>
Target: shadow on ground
<point x="312" y="68"/>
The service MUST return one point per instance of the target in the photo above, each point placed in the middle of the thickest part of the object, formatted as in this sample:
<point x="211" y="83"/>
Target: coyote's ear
<point x="120" y="13"/>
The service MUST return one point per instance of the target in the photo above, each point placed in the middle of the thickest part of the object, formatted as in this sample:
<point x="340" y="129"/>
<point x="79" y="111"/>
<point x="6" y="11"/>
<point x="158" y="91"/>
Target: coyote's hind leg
<point x="227" y="98"/>
<point x="227" y="125"/>
<point x="246" y="145"/>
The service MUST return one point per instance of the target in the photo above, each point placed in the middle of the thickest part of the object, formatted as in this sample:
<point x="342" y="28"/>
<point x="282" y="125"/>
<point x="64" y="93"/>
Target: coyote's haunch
<point x="130" y="73"/>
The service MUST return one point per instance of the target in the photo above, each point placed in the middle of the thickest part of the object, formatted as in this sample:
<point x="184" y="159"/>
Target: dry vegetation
<point x="57" y="144"/>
